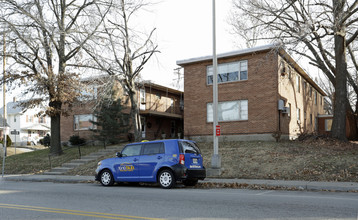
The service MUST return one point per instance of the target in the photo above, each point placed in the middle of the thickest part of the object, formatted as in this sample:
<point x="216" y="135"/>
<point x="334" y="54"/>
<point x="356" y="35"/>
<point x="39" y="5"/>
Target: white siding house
<point x="25" y="126"/>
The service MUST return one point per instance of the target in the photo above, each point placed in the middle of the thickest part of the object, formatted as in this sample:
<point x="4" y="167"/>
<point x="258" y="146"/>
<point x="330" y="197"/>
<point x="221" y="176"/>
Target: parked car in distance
<point x="163" y="161"/>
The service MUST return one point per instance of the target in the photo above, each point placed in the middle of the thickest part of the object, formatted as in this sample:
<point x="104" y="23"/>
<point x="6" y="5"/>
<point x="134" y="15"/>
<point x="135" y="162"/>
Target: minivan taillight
<point x="181" y="159"/>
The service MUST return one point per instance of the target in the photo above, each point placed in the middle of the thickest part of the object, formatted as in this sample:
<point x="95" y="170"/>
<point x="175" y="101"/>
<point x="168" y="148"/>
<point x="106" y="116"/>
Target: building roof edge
<point x="228" y="54"/>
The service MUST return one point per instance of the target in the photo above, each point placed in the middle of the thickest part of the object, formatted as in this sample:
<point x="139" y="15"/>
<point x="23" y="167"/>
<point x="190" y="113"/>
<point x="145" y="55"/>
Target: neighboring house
<point x="26" y="126"/>
<point x="161" y="110"/>
<point x="262" y="92"/>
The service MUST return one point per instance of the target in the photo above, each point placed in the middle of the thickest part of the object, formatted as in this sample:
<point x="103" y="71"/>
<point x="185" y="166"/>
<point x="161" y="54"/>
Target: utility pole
<point x="4" y="93"/>
<point x="215" y="160"/>
<point x="178" y="79"/>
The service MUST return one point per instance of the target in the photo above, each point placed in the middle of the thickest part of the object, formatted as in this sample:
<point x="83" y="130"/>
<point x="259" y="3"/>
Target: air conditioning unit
<point x="286" y="110"/>
<point x="281" y="105"/>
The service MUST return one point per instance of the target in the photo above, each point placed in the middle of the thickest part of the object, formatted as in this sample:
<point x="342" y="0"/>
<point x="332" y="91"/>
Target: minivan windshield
<point x="188" y="147"/>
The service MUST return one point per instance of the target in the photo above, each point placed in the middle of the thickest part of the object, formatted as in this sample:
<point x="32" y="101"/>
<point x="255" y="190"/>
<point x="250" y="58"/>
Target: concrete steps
<point x="83" y="160"/>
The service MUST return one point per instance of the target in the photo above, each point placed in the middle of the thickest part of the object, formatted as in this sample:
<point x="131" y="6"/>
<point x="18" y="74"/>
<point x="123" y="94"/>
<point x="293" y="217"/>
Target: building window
<point x="42" y="119"/>
<point x="229" y="111"/>
<point x="87" y="94"/>
<point x="84" y="122"/>
<point x="298" y="82"/>
<point x="328" y="124"/>
<point x="228" y="72"/>
<point x="311" y="119"/>
<point x="310" y="91"/>
<point x="298" y="115"/>
<point x="315" y="97"/>
<point x="142" y="96"/>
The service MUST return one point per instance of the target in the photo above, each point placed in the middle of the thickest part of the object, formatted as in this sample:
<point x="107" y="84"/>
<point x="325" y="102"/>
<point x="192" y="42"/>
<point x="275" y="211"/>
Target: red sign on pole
<point x="218" y="130"/>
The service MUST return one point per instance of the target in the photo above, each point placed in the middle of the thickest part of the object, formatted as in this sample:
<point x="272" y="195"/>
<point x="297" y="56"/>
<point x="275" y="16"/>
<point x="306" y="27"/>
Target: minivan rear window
<point x="188" y="147"/>
<point x="153" y="148"/>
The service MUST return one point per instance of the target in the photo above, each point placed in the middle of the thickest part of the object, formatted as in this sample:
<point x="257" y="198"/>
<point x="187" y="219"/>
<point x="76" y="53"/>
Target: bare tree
<point x="319" y="31"/>
<point x="248" y="29"/>
<point x="124" y="51"/>
<point x="327" y="86"/>
<point x="44" y="37"/>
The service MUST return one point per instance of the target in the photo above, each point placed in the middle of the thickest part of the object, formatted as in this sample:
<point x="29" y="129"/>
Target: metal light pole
<point x="215" y="160"/>
<point x="4" y="118"/>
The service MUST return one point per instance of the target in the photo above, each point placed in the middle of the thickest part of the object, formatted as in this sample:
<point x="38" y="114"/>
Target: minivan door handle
<point x="159" y="157"/>
<point x="135" y="159"/>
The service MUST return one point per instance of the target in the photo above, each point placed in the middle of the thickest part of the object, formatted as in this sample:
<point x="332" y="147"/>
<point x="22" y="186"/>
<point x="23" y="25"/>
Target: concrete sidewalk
<point x="227" y="183"/>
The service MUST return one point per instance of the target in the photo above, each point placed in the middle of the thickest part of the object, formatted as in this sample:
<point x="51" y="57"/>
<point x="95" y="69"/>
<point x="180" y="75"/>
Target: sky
<point x="183" y="31"/>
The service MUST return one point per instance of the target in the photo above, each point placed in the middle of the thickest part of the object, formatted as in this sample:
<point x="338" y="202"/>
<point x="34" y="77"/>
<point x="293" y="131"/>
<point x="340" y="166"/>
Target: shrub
<point x="8" y="141"/>
<point x="46" y="140"/>
<point x="77" y="140"/>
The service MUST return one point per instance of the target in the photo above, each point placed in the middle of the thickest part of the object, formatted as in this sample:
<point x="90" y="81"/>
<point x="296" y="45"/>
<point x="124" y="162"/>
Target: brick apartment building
<point x="262" y="91"/>
<point x="161" y="110"/>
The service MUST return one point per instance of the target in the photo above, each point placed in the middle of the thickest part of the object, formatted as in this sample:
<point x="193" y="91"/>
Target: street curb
<point x="49" y="178"/>
<point x="211" y="183"/>
<point x="280" y="185"/>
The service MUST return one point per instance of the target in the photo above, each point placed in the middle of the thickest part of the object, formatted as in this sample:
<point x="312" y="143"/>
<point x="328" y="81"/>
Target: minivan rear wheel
<point x="166" y="179"/>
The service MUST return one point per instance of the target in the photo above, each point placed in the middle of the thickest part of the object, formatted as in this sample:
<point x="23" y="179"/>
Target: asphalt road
<point x="43" y="200"/>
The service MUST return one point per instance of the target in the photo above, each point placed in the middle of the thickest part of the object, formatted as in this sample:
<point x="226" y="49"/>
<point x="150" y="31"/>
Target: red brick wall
<point x="260" y="90"/>
<point x="67" y="123"/>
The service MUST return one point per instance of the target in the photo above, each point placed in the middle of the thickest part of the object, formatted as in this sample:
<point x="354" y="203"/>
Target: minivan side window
<point x="131" y="150"/>
<point x="188" y="147"/>
<point x="153" y="148"/>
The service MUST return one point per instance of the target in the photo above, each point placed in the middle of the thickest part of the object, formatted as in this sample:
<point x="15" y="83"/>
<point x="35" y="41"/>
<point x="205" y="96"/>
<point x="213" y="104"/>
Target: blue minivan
<point x="162" y="161"/>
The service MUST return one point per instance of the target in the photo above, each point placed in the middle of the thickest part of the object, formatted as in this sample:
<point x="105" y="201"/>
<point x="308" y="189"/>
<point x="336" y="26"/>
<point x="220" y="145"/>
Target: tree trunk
<point x="56" y="148"/>
<point x="339" y="110"/>
<point x="135" y="115"/>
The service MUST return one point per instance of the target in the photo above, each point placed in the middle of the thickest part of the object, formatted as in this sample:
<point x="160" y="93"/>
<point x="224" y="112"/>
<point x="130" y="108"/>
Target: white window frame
<point x="88" y="94"/>
<point x="298" y="115"/>
<point x="242" y="111"/>
<point x="77" y="120"/>
<point x="223" y="68"/>
<point x="142" y="99"/>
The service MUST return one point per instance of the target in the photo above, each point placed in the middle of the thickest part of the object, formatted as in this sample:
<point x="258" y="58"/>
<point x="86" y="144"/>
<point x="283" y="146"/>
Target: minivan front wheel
<point x="106" y="178"/>
<point x="166" y="179"/>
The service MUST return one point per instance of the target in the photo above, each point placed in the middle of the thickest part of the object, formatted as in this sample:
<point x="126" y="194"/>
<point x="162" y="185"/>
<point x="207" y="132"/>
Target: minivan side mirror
<point x="118" y="154"/>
